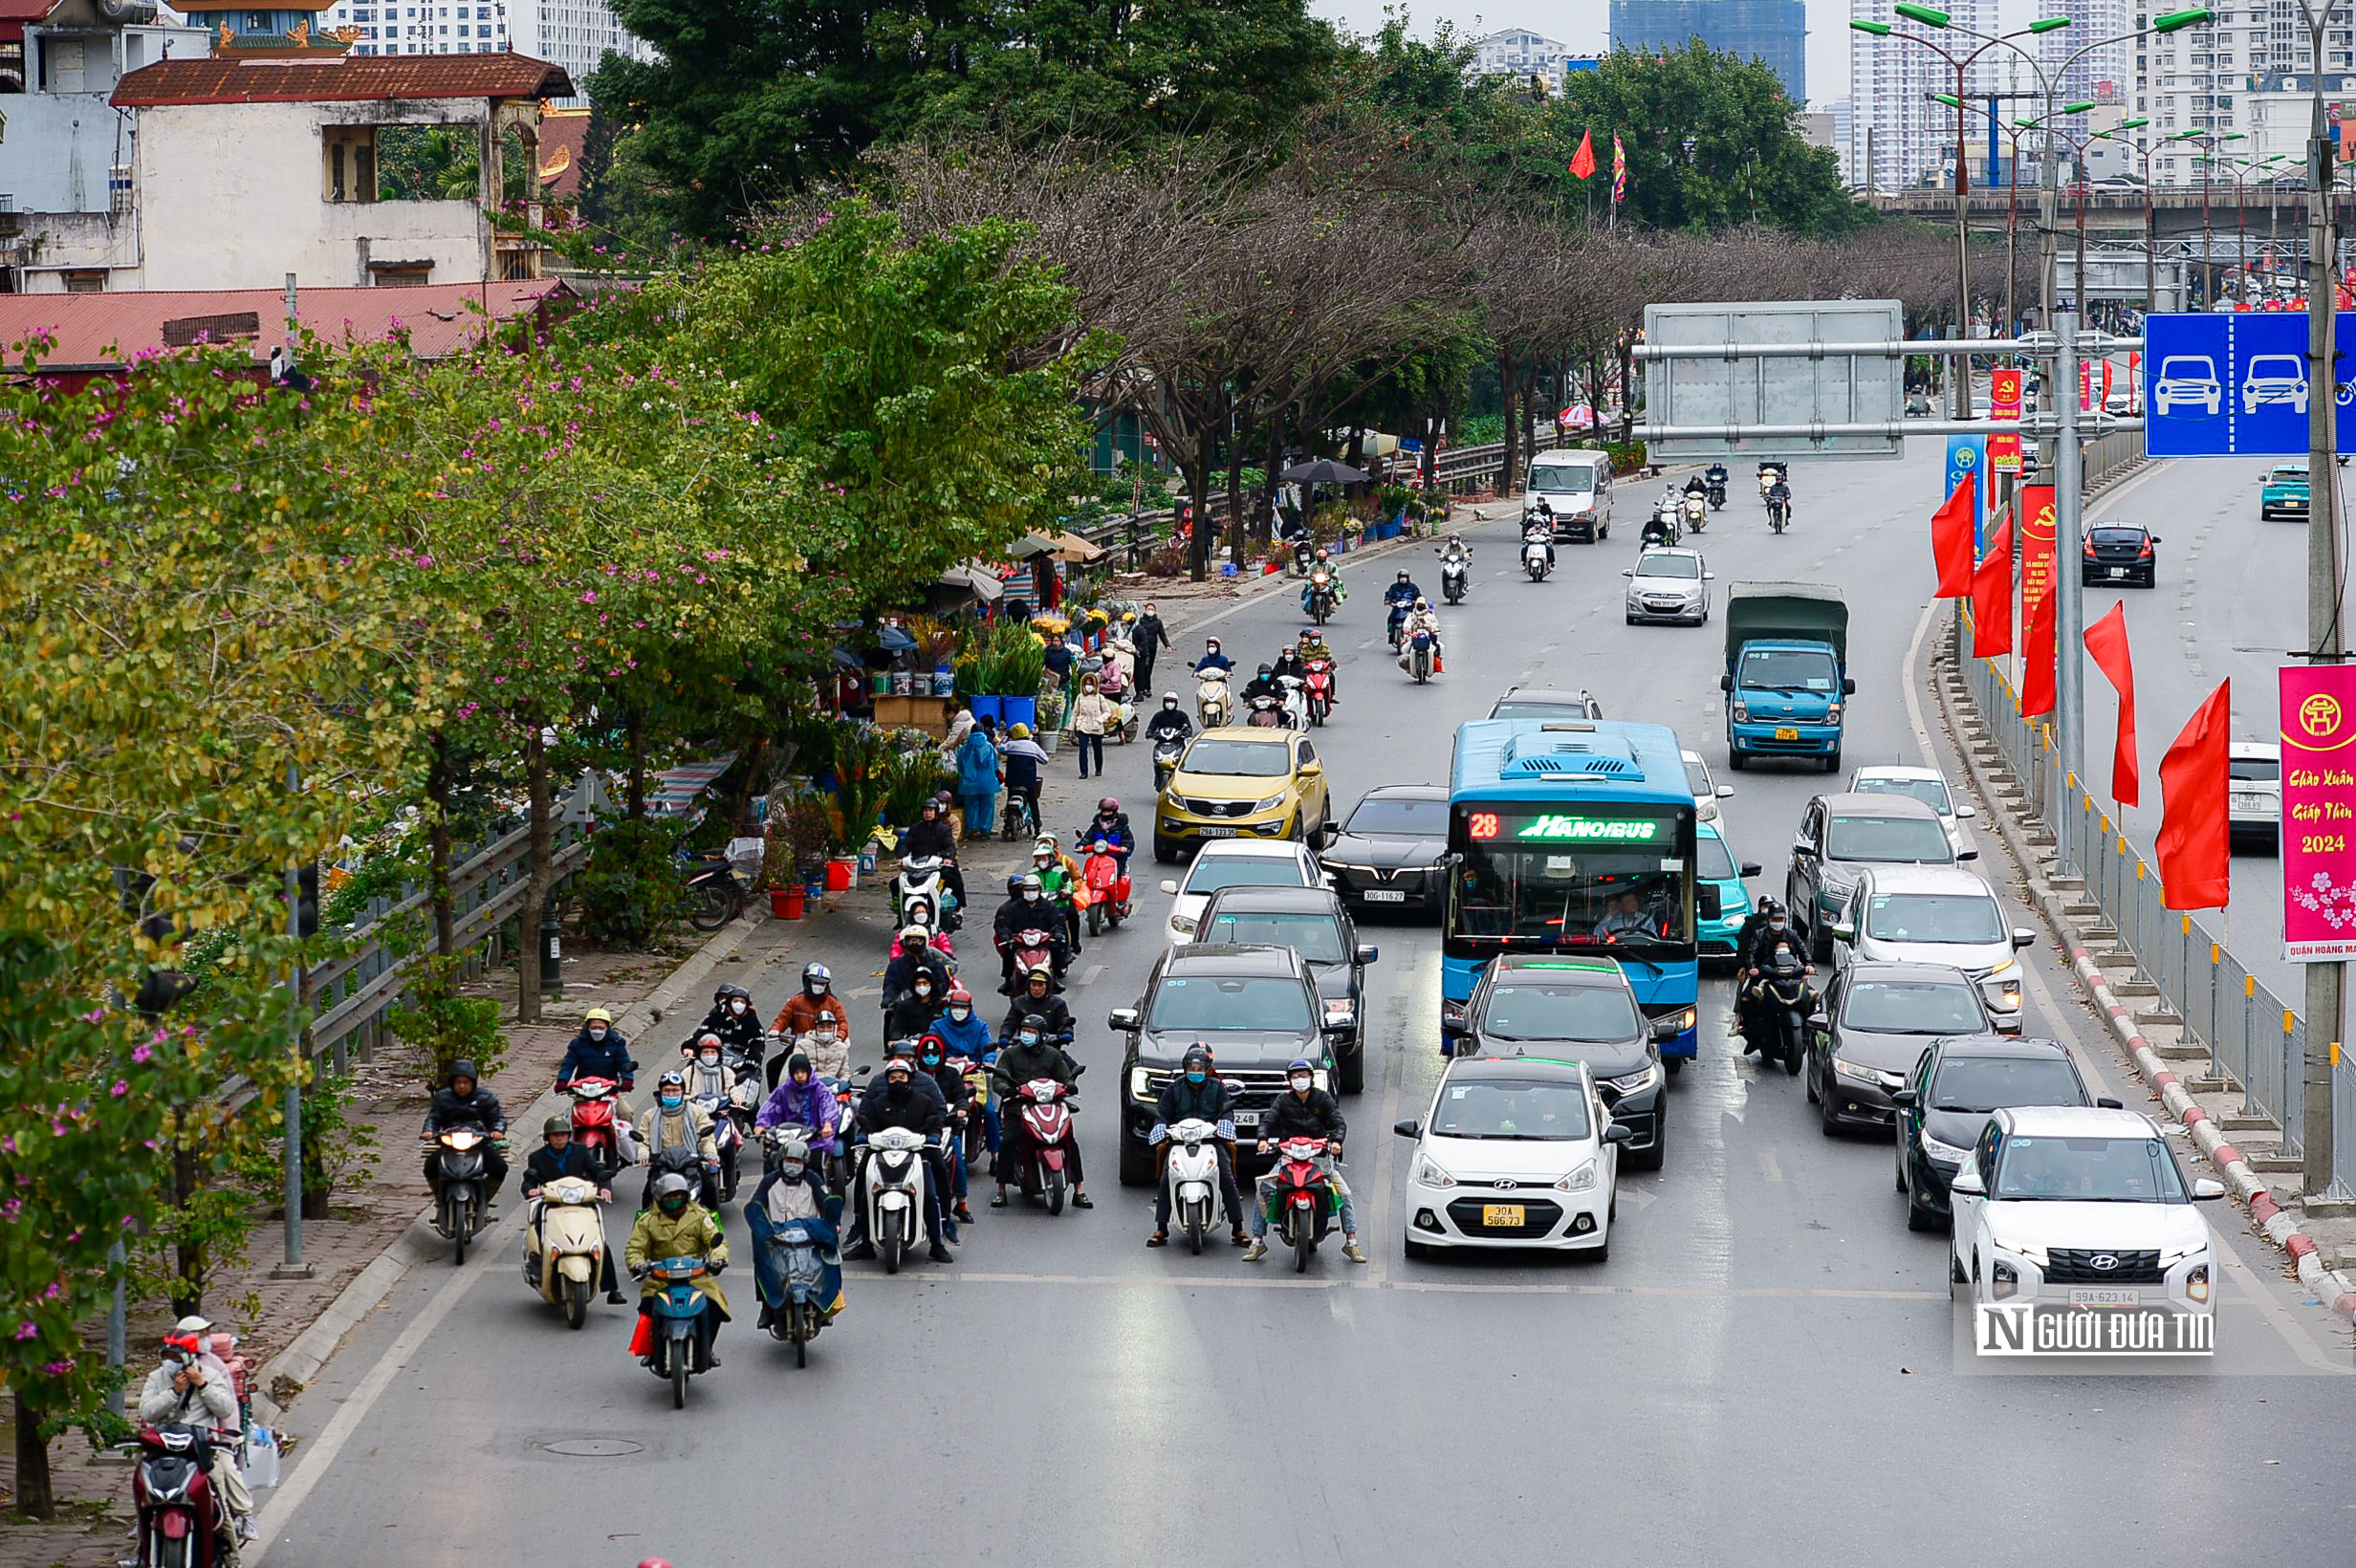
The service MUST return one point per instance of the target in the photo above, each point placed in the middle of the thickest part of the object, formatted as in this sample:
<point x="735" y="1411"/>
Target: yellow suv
<point x="1239" y="782"/>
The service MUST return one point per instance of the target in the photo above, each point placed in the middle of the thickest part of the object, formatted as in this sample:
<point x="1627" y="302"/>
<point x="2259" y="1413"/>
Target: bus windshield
<point x="1574" y="877"/>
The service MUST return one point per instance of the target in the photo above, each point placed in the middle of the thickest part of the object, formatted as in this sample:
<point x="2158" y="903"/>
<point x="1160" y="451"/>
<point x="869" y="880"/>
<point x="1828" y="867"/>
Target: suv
<point x="1255" y="1007"/>
<point x="1581" y="1007"/>
<point x="1241" y="783"/>
<point x="1840" y="835"/>
<point x="1935" y="914"/>
<point x="1314" y="923"/>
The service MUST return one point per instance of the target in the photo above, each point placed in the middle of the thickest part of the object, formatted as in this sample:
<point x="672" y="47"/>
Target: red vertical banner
<point x="2085" y="384"/>
<point x="2037" y="600"/>
<point x="2004" y="405"/>
<point x="2108" y="642"/>
<point x="2134" y="393"/>
<point x="1992" y="598"/>
<point x="2194" y="845"/>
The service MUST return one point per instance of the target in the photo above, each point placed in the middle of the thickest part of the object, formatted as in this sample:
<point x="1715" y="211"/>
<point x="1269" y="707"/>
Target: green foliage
<point x="1480" y="429"/>
<point x="629" y="891"/>
<point x="1010" y="661"/>
<point x="863" y="778"/>
<point x="911" y="777"/>
<point x="442" y="1026"/>
<point x="1627" y="456"/>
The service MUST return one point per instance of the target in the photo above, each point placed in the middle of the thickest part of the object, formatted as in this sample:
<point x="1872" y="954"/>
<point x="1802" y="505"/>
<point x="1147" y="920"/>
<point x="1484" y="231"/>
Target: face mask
<point x="931" y="1059"/>
<point x="737" y="1007"/>
<point x="673" y="1206"/>
<point x="961" y="1014"/>
<point x="923" y="989"/>
<point x="596" y="1031"/>
<point x="1195" y="1078"/>
<point x="1029" y="1036"/>
<point x="792" y="1173"/>
<point x="817" y="988"/>
<point x="1031" y="895"/>
<point x="671" y="1102"/>
<point x="1301" y="1083"/>
<point x="709" y="1058"/>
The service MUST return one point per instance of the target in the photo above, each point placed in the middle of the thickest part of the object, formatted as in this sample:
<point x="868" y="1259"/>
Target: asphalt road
<point x="1768" y="1370"/>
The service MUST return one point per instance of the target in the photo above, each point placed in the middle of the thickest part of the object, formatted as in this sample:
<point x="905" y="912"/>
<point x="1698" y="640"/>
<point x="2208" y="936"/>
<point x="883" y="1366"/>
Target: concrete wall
<point x="59" y="145"/>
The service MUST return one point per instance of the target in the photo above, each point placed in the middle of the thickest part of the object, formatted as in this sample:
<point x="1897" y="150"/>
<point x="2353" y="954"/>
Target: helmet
<point x="1197" y="1055"/>
<point x="1210" y="642"/>
<point x="597" y="1015"/>
<point x="1040" y="971"/>
<point x="708" y="1038"/>
<point x="815" y="978"/>
<point x="900" y="1063"/>
<point x="930" y="805"/>
<point x="671" y="1185"/>
<point x="556" y="1124"/>
<point x="1027" y="885"/>
<point x="915" y="936"/>
<point x="674" y="1078"/>
<point x="1169" y="699"/>
<point x="1308" y="634"/>
<point x="1267" y="670"/>
<point x="1107" y="807"/>
<point x="1044" y="844"/>
<point x="959" y="996"/>
<point x="1299" y="1064"/>
<point x="1423" y="604"/>
<point x="193" y="1324"/>
<point x="790" y="1151"/>
<point x="729" y="992"/>
<point x="1403" y="575"/>
<point x="1018" y="732"/>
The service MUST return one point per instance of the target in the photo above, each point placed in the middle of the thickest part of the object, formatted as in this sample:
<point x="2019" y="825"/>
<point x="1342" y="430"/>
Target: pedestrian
<point x="1059" y="659"/>
<point x="1150" y="636"/>
<point x="978" y="782"/>
<point x="1090" y="715"/>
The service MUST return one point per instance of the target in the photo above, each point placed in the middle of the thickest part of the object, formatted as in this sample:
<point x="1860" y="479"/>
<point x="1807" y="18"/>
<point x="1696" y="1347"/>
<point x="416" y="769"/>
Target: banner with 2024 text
<point x="2319" y="811"/>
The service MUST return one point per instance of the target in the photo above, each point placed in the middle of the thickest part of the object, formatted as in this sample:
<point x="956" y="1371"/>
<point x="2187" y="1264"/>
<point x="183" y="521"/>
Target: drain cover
<point x="594" y="1448"/>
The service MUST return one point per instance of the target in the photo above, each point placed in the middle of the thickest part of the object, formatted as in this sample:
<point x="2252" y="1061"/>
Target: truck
<point x="1786" y="681"/>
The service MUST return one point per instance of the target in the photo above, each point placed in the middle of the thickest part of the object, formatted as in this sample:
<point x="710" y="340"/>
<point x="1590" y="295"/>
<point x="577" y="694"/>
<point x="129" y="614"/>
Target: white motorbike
<point x="1455" y="572"/>
<point x="561" y="1254"/>
<point x="1696" y="511"/>
<point x="894" y="1183"/>
<point x="1296" y="701"/>
<point x="921" y="879"/>
<point x="730" y="1098"/>
<point x="1536" y="558"/>
<point x="1213" y="704"/>
<point x="1192" y="1172"/>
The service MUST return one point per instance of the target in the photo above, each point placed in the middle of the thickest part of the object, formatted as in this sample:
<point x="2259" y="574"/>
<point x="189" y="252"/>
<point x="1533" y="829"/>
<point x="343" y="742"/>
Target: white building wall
<point x="1889" y="82"/>
<point x="2210" y="78"/>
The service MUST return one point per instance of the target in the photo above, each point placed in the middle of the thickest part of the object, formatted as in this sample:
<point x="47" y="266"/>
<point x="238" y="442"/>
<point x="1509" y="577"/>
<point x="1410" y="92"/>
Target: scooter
<point x="1036" y="946"/>
<point x="1046" y="1110"/>
<point x="179" y="1519"/>
<point x="1455" y="572"/>
<point x="895" y="1193"/>
<point x="922" y="878"/>
<point x="1304" y="1205"/>
<point x="1015" y="820"/>
<point x="594" y="1104"/>
<point x="1213" y="702"/>
<point x="1697" y="512"/>
<point x="1665" y="527"/>
<point x="679" y="1350"/>
<point x="459" y="1212"/>
<point x="1536" y="560"/>
<point x="1390" y="630"/>
<point x="1779" y="513"/>
<point x="1785" y="1001"/>
<point x="1715" y="476"/>
<point x="1304" y="555"/>
<point x="563" y="1253"/>
<point x="1191" y="1170"/>
<point x="1316" y="599"/>
<point x="1319" y="686"/>
<point x="1267" y="713"/>
<point x="710" y="895"/>
<point x="1420" y="655"/>
<point x="798" y="1312"/>
<point x="1166" y="751"/>
<point x="1296" y="701"/>
<point x="1108" y="888"/>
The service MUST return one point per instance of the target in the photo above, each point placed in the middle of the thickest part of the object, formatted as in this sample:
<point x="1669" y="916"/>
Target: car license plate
<point x="1216" y="833"/>
<point x="1503" y="1216"/>
<point x="2106" y="1298"/>
<point x="2249" y="802"/>
<point x="1787" y="733"/>
<point x="2118" y="571"/>
<point x="1247" y="1119"/>
<point x="1385" y="895"/>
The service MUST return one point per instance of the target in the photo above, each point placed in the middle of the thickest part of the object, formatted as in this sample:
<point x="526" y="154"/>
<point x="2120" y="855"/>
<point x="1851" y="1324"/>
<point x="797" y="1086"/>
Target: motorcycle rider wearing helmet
<point x="1697" y="485"/>
<point x="1023" y="758"/>
<point x="1312" y="645"/>
<point x="1033" y="1049"/>
<point x="676" y="1225"/>
<point x="672" y="1123"/>
<point x="805" y="1010"/>
<point x="912" y="1011"/>
<point x="1753" y="923"/>
<point x="1213" y="659"/>
<point x="1777" y="936"/>
<point x="1036" y="998"/>
<point x="462" y="1102"/>
<point x="1111" y="824"/>
<point x="1401" y="596"/>
<point x="1058" y="876"/>
<point x="1171" y="722"/>
<point x="1263" y="685"/>
<point x="1540" y="530"/>
<point x="963" y="1032"/>
<point x="556" y="1157"/>
<point x="1422" y="618"/>
<point x="1026" y="905"/>
<point x="932" y="1062"/>
<point x="1196" y="1092"/>
<point x="1303" y="1111"/>
<point x="793" y="1188"/>
<point x="1781" y="491"/>
<point x="1333" y="571"/>
<point x="801" y="1100"/>
<point x="933" y="835"/>
<point x="917" y="956"/>
<point x="902" y="1098"/>
<point x="598" y="1051"/>
<point x="1288" y="662"/>
<point x="735" y="1020"/>
<point x="184" y="1390"/>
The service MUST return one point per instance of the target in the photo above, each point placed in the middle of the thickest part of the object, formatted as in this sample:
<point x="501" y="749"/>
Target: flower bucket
<point x="1019" y="711"/>
<point x="989" y="708"/>
<point x="920" y="683"/>
<point x="880" y="685"/>
<point x="841" y="875"/>
<point x="943" y="680"/>
<point x="785" y="902"/>
<point x="814" y="887"/>
<point x="870" y="857"/>
<point x="903" y="683"/>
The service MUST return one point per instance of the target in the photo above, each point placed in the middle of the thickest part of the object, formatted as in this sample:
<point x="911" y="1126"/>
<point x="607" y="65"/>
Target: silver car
<point x="1935" y="914"/>
<point x="1672" y="585"/>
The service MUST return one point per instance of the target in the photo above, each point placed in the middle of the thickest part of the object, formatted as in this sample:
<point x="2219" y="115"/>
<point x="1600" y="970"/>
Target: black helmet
<point x="729" y="992"/>
<point x="1267" y="670"/>
<point x="816" y="978"/>
<point x="1404" y="576"/>
<point x="1198" y="1054"/>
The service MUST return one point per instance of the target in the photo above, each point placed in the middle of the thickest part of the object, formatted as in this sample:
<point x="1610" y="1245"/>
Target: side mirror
<point x="863" y="1072"/>
<point x="1967" y="855"/>
<point x="1629" y="573"/>
<point x="2106" y="1102"/>
<point x="1800" y="847"/>
<point x="1079" y="1069"/>
<point x="1665" y="1030"/>
<point x="1367" y="952"/>
<point x="1967" y="812"/>
<point x="2023" y="937"/>
<point x="1710" y="576"/>
<point x="1329" y="835"/>
<point x="1169" y="887"/>
<point x="1843" y="931"/>
<point x="1849" y="686"/>
<point x="1313" y="770"/>
<point x="1408" y="1129"/>
<point x="1619" y="1132"/>
<point x="1902" y="1099"/>
<point x="1726" y="683"/>
<point x="1726" y="792"/>
<point x="1748" y="868"/>
<point x="1127" y="1018"/>
<point x="2207" y="1189"/>
<point x="1707" y="905"/>
<point x="2156" y="540"/>
<point x="1968" y="1183"/>
<point x="1819" y="1019"/>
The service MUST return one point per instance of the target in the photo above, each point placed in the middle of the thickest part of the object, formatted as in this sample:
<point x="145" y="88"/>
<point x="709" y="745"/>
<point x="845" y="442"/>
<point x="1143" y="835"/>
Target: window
<point x="259" y="21"/>
<point x="1591" y="1015"/>
<point x="61" y="65"/>
<point x="1272" y="1004"/>
<point x="86" y="281"/>
<point x="13" y="66"/>
<point x="351" y="163"/>
<point x="399" y="275"/>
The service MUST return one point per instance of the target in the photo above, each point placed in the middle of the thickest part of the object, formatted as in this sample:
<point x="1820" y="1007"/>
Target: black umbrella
<point x="1323" y="471"/>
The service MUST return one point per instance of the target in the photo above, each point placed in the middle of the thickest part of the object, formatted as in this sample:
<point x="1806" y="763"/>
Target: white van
<point x="1575" y="486"/>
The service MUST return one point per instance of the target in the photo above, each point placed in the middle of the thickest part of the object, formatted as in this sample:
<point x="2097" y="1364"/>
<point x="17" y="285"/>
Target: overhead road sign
<point x="2236" y="384"/>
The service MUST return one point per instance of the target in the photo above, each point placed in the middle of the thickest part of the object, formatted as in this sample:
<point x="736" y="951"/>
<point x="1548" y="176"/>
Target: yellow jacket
<point x="694" y="1233"/>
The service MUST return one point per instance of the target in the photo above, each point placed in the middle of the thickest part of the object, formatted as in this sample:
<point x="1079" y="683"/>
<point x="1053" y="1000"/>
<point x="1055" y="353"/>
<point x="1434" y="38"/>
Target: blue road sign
<point x="2236" y="384"/>
<point x="1967" y="456"/>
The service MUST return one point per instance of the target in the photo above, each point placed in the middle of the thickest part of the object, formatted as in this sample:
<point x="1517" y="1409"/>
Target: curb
<point x="2266" y="1216"/>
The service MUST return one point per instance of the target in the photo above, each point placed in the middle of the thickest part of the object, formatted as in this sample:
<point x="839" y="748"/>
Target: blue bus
<point x="1574" y="835"/>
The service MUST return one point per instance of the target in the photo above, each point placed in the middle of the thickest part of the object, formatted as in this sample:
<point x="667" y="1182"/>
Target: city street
<point x="1768" y="1369"/>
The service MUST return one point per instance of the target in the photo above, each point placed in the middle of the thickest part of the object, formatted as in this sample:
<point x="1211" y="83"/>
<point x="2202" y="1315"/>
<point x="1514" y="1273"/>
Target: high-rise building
<point x="2208" y="78"/>
<point x="1891" y="80"/>
<point x="1773" y="31"/>
<point x="2102" y="76"/>
<point x="572" y="33"/>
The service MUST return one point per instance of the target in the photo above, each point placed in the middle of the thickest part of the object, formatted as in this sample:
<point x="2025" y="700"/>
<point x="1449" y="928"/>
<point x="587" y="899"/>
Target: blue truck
<point x="1788" y="672"/>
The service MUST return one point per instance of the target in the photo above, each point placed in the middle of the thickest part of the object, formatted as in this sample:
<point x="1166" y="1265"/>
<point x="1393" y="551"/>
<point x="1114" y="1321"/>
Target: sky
<point x="1586" y="26"/>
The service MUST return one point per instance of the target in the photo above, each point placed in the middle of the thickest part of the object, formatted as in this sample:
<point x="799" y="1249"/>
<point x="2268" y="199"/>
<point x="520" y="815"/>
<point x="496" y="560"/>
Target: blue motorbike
<point x="682" y="1349"/>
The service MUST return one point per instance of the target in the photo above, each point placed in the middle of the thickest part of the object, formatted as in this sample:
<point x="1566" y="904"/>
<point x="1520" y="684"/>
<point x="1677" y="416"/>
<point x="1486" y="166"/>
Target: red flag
<point x="2195" y="844"/>
<point x="2106" y="641"/>
<point x="1951" y="539"/>
<point x="1992" y="598"/>
<point x="2037" y="665"/>
<point x="1583" y="162"/>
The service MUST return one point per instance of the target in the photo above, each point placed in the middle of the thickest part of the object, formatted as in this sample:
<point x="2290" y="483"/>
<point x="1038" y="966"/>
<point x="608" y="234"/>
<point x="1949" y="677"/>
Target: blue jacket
<point x="977" y="765"/>
<point x="607" y="1058"/>
<point x="1213" y="661"/>
<point x="1402" y="593"/>
<point x="971" y="1038"/>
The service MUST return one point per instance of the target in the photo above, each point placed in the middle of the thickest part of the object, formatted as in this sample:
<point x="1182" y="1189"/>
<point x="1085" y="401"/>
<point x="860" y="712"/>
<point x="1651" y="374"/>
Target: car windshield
<point x="1189" y="1004"/>
<point x="1212" y="872"/>
<point x="1888" y="839"/>
<point x="1712" y="860"/>
<point x="1523" y="708"/>
<point x="1913" y="1007"/>
<point x="1239" y="758"/>
<point x="1317" y="938"/>
<point x="1668" y="566"/>
<point x="1512" y="1111"/>
<point x="1562" y="479"/>
<point x="1697" y="777"/>
<point x="1592" y="1013"/>
<point x="1930" y="792"/>
<point x="1789" y="669"/>
<point x="1396" y="815"/>
<point x="1629" y="892"/>
<point x="1935" y="916"/>
<point x="2088" y="1170"/>
<point x="2257" y="770"/>
<point x="2289" y="475"/>
<point x="1977" y="1085"/>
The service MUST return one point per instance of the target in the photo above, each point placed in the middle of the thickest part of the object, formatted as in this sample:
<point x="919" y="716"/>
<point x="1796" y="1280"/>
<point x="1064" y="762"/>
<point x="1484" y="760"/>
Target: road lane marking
<point x="1089" y="975"/>
<point x="1768" y="1162"/>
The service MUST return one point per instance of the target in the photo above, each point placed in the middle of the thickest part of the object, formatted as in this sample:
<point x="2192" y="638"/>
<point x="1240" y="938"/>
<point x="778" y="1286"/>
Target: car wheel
<point x="1600" y="1255"/>
<point x="1918" y="1217"/>
<point x="1735" y="762"/>
<point x="1422" y="1252"/>
<point x="1165" y="852"/>
<point x="1136" y="1162"/>
<point x="1675" y="1066"/>
<point x="1631" y="620"/>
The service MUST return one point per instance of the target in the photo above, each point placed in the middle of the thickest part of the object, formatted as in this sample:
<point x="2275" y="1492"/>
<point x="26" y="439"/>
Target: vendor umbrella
<point x="1323" y="471"/>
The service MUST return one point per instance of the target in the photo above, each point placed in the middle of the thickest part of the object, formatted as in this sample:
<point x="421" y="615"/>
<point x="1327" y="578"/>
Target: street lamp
<point x="2238" y="170"/>
<point x="2012" y="219"/>
<point x="2209" y="141"/>
<point x="2085" y="180"/>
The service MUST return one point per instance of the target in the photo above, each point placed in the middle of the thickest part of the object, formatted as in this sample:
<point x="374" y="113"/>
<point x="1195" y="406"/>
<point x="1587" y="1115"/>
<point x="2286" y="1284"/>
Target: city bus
<point x="1574" y="835"/>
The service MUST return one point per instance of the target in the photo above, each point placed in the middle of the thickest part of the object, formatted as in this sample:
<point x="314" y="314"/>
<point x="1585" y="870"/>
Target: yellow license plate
<point x="1787" y="735"/>
<point x="1503" y="1216"/>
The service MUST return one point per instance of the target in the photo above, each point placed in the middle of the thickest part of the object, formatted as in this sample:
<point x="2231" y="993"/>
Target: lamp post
<point x="2238" y="170"/>
<point x="2085" y="180"/>
<point x="2208" y="142"/>
<point x="2012" y="216"/>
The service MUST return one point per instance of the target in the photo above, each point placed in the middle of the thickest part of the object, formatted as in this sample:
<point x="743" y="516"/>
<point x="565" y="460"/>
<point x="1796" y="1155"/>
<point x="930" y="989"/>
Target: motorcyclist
<point x="1780" y="492"/>
<point x="793" y="1188"/>
<point x="1037" y="998"/>
<point x="801" y="1100"/>
<point x="1170" y="723"/>
<point x="1027" y="905"/>
<point x="903" y="1098"/>
<point x="804" y="1011"/>
<point x="598" y="1051"/>
<point x="1033" y="1049"/>
<point x="557" y="1157"/>
<point x="1540" y="530"/>
<point x="1696" y="484"/>
<point x="1111" y="824"/>
<point x="1196" y="1092"/>
<point x="1753" y="925"/>
<point x="1058" y="876"/>
<point x="1303" y="1111"/>
<point x="672" y="1123"/>
<point x="917" y="956"/>
<point x="676" y="1225"/>
<point x="1289" y="662"/>
<point x="1400" y="596"/>
<point x="1423" y="617"/>
<point x="1311" y="646"/>
<point x="932" y="1062"/>
<point x="734" y="1019"/>
<point x="1332" y="569"/>
<point x="183" y="1390"/>
<point x="462" y="1102"/>
<point x="1213" y="659"/>
<point x="963" y="1032"/>
<point x="1021" y="757"/>
<point x="1778" y="937"/>
<point x="1263" y="685"/>
<point x="932" y="835"/>
<point x="1714" y="481"/>
<point x="1308" y="588"/>
<point x="912" y="1011"/>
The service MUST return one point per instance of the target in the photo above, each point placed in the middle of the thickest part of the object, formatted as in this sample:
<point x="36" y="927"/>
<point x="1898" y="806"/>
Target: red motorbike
<point x="1305" y="1202"/>
<point x="1036" y="946"/>
<point x="1320" y="688"/>
<point x="593" y="1102"/>
<point x="1108" y="887"/>
<point x="179" y="1516"/>
<point x="1048" y="1120"/>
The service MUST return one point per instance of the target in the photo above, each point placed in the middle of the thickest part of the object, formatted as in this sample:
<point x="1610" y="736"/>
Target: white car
<point x="1515" y="1151"/>
<point x="2274" y="377"/>
<point x="2255" y="809"/>
<point x="1935" y="914"/>
<point x="2080" y="1205"/>
<point x="1235" y="862"/>
<point x="1707" y="790"/>
<point x="1672" y="585"/>
<point x="2187" y="378"/>
<point x="1927" y="785"/>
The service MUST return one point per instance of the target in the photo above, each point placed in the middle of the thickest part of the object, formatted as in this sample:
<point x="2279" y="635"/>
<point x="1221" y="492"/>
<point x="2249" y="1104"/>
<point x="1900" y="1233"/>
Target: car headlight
<point x="1269" y="804"/>
<point x="1856" y="1072"/>
<point x="1832" y="713"/>
<point x="2007" y="966"/>
<point x="1739" y="712"/>
<point x="1318" y="1076"/>
<point x="1182" y="923"/>
<point x="1582" y="1179"/>
<point x="1342" y="1009"/>
<point x="1934" y="1149"/>
<point x="1687" y="1020"/>
<point x="1428" y="1174"/>
<point x="1637" y="1083"/>
<point x="2196" y="1283"/>
<point x="1140" y="1086"/>
<point x="2004" y="1278"/>
<point x="2028" y="1250"/>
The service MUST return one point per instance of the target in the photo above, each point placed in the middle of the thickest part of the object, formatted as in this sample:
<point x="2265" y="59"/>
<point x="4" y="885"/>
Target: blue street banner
<point x="1967" y="456"/>
<point x="2236" y="383"/>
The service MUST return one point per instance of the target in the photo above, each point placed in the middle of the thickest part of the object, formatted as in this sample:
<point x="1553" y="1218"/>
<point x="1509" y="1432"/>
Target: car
<point x="2187" y="378"/>
<point x="2120" y="553"/>
<point x="1390" y="849"/>
<point x="1237" y="864"/>
<point x="1716" y="867"/>
<point x="1314" y="923"/>
<point x="2120" y="402"/>
<point x="1874" y="1021"/>
<point x="1672" y="585"/>
<point x="2254" y="810"/>
<point x="1839" y="836"/>
<point x="1237" y="782"/>
<point x="1935" y="914"/>
<point x="2283" y="491"/>
<point x="1585" y="1007"/>
<point x="1544" y="703"/>
<point x="2274" y="379"/>
<point x="1927" y="785"/>
<point x="2083" y="1206"/>
<point x="1955" y="1085"/>
<point x="1707" y="790"/>
<point x="1515" y="1152"/>
<point x="1256" y="1008"/>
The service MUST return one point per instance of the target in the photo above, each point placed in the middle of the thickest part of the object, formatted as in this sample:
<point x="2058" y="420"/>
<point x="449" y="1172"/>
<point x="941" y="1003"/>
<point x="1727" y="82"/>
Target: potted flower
<point x="1048" y="731"/>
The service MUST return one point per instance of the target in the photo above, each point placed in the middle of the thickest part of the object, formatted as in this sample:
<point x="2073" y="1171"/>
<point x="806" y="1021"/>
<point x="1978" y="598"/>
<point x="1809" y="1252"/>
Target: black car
<point x="2121" y="554"/>
<point x="1876" y="1018"/>
<point x="1545" y="703"/>
<point x="1387" y="855"/>
<point x="1953" y="1089"/>
<point x="1583" y="1007"/>
<point x="1314" y="923"/>
<point x="1257" y="1008"/>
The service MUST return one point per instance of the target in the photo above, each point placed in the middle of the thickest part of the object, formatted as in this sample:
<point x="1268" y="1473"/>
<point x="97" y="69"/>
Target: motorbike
<point x="1213" y="702"/>
<point x="1191" y="1170"/>
<point x="1108" y="889"/>
<point x="1319" y="689"/>
<point x="977" y="1074"/>
<point x="561" y="1254"/>
<point x="1296" y="701"/>
<point x="594" y="1102"/>
<point x="1166" y="750"/>
<point x="1316" y="600"/>
<point x="1536" y="558"/>
<point x="1305" y="554"/>
<point x="1398" y="619"/>
<point x="1456" y="572"/>
<point x="798" y="1312"/>
<point x="179" y="1519"/>
<point x="1769" y="473"/>
<point x="1305" y="1202"/>
<point x="679" y="1350"/>
<point x="1715" y="476"/>
<point x="1779" y="513"/>
<point x="1015" y="820"/>
<point x="895" y="1193"/>
<point x="1036" y="945"/>
<point x="1421" y="657"/>
<point x="711" y="893"/>
<point x="1046" y="1110"/>
<point x="1267" y="713"/>
<point x="922" y="878"/>
<point x="1697" y="512"/>
<point x="459" y="1212"/>
<point x="1659" y="531"/>
<point x="1785" y="1000"/>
